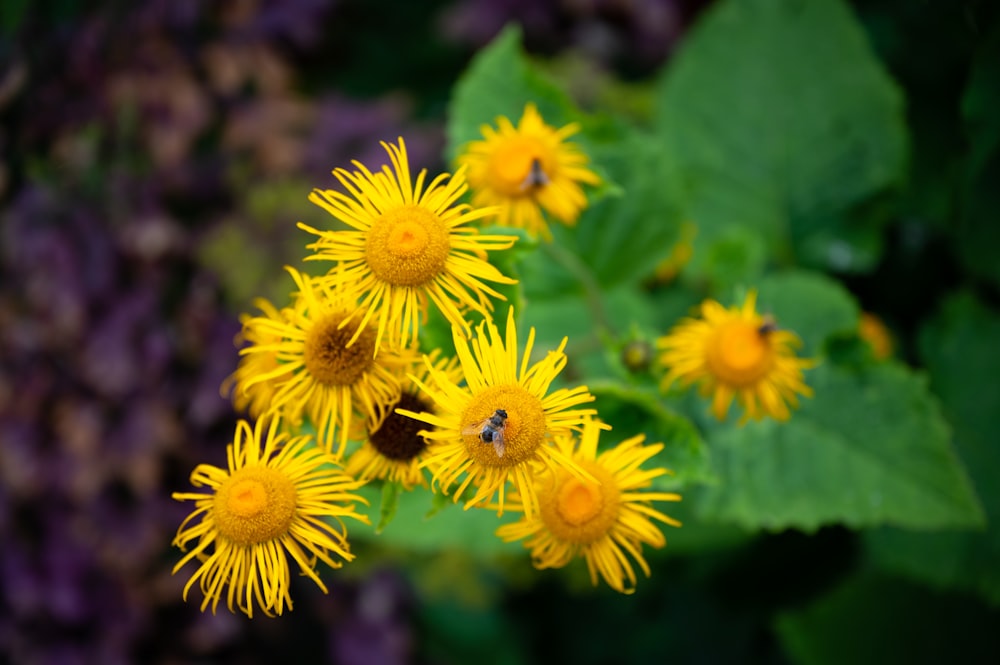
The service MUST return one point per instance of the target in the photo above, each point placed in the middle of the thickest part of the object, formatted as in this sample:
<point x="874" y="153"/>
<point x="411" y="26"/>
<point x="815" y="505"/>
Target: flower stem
<point x="591" y="289"/>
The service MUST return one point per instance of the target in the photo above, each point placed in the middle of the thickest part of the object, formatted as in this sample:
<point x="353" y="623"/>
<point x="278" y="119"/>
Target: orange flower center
<point x="408" y="246"/>
<point x="580" y="511"/>
<point x="330" y="360"/>
<point x="519" y="166"/>
<point x="254" y="505"/>
<point x="739" y="353"/>
<point x="523" y="429"/>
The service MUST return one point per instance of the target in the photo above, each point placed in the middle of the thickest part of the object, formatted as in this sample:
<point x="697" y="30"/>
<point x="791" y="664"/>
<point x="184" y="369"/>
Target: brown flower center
<point x="398" y="437"/>
<point x="330" y="360"/>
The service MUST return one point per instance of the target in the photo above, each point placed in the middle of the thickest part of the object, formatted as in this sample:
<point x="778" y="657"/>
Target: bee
<point x="491" y="430"/>
<point x="768" y="326"/>
<point x="536" y="177"/>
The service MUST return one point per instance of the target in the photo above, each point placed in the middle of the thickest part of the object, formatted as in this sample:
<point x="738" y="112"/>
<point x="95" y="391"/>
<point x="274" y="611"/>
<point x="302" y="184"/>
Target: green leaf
<point x="469" y="632"/>
<point x="813" y="306"/>
<point x="12" y="14"/>
<point x="588" y="321"/>
<point x="452" y="527"/>
<point x="978" y="233"/>
<point x="500" y="81"/>
<point x="732" y="255"/>
<point x="871" y="620"/>
<point x="871" y="448"/>
<point x="508" y="262"/>
<point x="631" y="411"/>
<point x="622" y="238"/>
<point x="961" y="353"/>
<point x="696" y="536"/>
<point x="389" y="505"/>
<point x="782" y="121"/>
<point x="439" y="502"/>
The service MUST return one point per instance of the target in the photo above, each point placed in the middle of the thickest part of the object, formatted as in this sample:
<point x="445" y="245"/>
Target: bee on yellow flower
<point x="498" y="378"/>
<point x="527" y="169"/>
<point x="736" y="353"/>
<point x="605" y="520"/>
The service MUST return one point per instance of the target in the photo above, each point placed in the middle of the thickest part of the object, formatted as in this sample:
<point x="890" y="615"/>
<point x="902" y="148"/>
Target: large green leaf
<point x="622" y="238"/>
<point x="813" y="306"/>
<point x="962" y="355"/>
<point x="500" y="81"/>
<point x="631" y="411"/>
<point x="419" y="525"/>
<point x="978" y="233"/>
<point x="871" y="448"/>
<point x="782" y="121"/>
<point x="871" y="620"/>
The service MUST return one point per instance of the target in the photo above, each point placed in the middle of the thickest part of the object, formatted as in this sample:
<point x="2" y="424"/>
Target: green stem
<point x="591" y="289"/>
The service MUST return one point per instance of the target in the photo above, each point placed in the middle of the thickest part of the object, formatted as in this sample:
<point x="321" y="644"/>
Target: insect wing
<point x="499" y="443"/>
<point x="476" y="430"/>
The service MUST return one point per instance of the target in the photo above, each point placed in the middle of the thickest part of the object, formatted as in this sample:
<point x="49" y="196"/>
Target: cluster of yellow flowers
<point x="344" y="354"/>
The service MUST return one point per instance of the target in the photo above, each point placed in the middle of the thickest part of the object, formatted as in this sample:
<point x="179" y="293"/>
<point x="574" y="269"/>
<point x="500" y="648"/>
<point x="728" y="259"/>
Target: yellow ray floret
<point x="255" y="397"/>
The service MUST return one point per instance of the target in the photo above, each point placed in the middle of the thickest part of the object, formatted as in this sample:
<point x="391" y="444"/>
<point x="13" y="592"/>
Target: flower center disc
<point x="408" y="246"/>
<point x="523" y="430"/>
<point x="581" y="511"/>
<point x="329" y="359"/>
<point x="398" y="438"/>
<point x="511" y="164"/>
<point x="254" y="505"/>
<point x="740" y="353"/>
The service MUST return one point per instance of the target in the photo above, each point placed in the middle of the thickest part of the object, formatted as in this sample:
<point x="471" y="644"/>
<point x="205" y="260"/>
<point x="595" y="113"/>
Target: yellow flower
<point x="254" y="397"/>
<point x="395" y="449"/>
<point x="319" y="373"/>
<point x="279" y="497"/>
<point x="526" y="168"/>
<point x="738" y="353"/>
<point x="602" y="519"/>
<point x="496" y="381"/>
<point x="873" y="331"/>
<point x="408" y="244"/>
